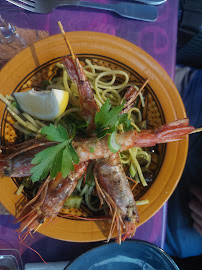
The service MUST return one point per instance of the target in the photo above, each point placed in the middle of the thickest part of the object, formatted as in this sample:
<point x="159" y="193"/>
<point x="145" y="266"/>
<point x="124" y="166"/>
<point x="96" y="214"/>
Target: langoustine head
<point x="113" y="186"/>
<point x="48" y="200"/>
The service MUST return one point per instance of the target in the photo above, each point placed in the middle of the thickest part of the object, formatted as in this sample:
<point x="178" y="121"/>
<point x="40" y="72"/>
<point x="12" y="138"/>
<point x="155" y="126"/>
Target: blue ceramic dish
<point x="131" y="254"/>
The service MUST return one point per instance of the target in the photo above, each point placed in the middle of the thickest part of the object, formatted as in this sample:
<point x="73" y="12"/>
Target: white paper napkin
<point x="49" y="266"/>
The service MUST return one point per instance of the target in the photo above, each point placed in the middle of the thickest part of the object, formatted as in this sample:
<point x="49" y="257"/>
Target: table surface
<point x="156" y="38"/>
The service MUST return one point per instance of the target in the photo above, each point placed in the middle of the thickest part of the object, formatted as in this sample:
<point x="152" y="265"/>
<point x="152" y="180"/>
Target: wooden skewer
<point x="134" y="186"/>
<point x="131" y="180"/>
<point x="66" y="41"/>
<point x="197" y="130"/>
<point x="143" y="86"/>
<point x="135" y="182"/>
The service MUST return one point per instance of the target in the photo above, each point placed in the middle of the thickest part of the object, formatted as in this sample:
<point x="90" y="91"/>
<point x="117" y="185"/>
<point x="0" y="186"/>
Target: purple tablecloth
<point x="159" y="40"/>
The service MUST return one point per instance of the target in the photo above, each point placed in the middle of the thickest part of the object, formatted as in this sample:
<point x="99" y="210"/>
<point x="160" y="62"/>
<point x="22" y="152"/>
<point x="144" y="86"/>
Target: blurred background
<point x="189" y="42"/>
<point x="183" y="242"/>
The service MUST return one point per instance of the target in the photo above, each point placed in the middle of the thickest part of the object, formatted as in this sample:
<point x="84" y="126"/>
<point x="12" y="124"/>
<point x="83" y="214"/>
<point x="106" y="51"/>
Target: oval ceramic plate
<point x="30" y="64"/>
<point x="129" y="255"/>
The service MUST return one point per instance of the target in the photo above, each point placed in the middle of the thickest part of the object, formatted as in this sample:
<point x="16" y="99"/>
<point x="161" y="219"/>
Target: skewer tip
<point x="66" y="40"/>
<point x="196" y="130"/>
<point x="61" y="28"/>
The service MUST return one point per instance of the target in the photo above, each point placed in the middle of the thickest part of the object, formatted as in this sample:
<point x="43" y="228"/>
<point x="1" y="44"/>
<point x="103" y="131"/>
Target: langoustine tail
<point x="71" y="69"/>
<point x="88" y="104"/>
<point x="173" y="131"/>
<point x="77" y="75"/>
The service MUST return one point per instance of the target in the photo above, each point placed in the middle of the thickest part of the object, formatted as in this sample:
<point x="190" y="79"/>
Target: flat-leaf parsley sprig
<point x="107" y="120"/>
<point x="57" y="158"/>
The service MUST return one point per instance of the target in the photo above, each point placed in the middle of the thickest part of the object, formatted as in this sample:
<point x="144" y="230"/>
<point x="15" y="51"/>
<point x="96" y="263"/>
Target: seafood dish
<point x="85" y="161"/>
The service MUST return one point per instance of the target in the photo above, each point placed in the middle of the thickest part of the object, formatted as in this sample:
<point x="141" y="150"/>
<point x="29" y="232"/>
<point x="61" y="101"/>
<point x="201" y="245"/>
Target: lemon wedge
<point x="44" y="105"/>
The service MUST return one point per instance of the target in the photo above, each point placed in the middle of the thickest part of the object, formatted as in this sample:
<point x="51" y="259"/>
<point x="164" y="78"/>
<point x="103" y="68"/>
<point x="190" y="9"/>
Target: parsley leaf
<point x="57" y="158"/>
<point x="107" y="116"/>
<point x="44" y="162"/>
<point x="58" y="134"/>
<point x="107" y="120"/>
